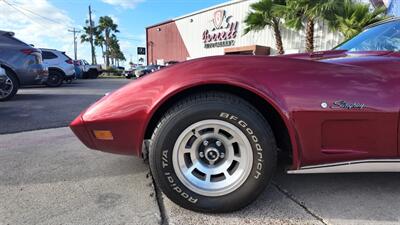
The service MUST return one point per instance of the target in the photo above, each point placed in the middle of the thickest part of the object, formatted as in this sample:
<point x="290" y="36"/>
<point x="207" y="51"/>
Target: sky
<point x="45" y="23"/>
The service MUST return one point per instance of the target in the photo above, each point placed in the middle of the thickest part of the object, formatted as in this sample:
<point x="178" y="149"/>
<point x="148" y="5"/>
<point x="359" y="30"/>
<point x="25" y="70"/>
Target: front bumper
<point x="117" y="123"/>
<point x="123" y="141"/>
<point x="79" y="128"/>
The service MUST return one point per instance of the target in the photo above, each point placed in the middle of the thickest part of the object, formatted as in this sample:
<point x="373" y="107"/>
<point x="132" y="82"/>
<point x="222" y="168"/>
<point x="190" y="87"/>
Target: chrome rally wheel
<point x="212" y="157"/>
<point x="212" y="152"/>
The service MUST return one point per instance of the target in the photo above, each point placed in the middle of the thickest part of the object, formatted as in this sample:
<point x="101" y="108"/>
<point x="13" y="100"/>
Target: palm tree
<point x="120" y="57"/>
<point x="266" y="13"/>
<point x="99" y="41"/>
<point x="115" y="52"/>
<point x="86" y="37"/>
<point x="299" y="12"/>
<point x="107" y="25"/>
<point x="354" y="16"/>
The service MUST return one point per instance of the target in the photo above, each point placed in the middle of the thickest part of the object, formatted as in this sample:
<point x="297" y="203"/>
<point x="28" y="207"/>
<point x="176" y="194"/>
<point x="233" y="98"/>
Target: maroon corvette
<point x="214" y="127"/>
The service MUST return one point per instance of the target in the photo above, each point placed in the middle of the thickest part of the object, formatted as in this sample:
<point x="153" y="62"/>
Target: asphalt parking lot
<point x="48" y="177"/>
<point x="40" y="107"/>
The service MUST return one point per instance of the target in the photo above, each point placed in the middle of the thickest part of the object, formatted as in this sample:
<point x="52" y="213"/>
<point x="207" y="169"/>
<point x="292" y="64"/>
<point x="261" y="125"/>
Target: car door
<point x="352" y="113"/>
<point x="395" y="82"/>
<point x="87" y="66"/>
<point x="359" y="94"/>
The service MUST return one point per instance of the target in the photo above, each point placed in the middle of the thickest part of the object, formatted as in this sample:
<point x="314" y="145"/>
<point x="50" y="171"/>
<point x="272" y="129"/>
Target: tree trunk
<point x="92" y="51"/>
<point x="310" y="35"/>
<point x="107" y="48"/>
<point x="102" y="51"/>
<point x="278" y="37"/>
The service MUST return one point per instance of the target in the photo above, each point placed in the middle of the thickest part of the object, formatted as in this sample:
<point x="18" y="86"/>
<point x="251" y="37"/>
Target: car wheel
<point x="85" y="75"/>
<point x="55" y="78"/>
<point x="8" y="87"/>
<point x="93" y="74"/>
<point x="213" y="152"/>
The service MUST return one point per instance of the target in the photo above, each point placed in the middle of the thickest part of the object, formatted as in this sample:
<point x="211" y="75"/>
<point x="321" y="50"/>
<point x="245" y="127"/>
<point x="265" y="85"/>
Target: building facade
<point x="219" y="30"/>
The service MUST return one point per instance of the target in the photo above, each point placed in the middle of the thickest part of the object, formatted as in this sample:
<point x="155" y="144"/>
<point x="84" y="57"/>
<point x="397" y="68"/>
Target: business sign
<point x="141" y="51"/>
<point x="224" y="32"/>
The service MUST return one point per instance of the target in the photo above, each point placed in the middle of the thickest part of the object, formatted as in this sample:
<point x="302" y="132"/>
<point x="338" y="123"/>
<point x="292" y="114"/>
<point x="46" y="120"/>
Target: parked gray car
<point x="22" y="63"/>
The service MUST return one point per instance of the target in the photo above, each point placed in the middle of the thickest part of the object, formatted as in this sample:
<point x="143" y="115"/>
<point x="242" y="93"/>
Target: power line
<point x="5" y="2"/>
<point x="19" y="8"/>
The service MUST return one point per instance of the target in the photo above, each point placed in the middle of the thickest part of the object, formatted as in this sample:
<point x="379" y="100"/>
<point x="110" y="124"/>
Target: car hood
<point x="330" y="55"/>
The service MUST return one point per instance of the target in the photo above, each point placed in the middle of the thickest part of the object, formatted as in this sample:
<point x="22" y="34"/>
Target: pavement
<point x="40" y="107"/>
<point x="48" y="177"/>
<point x="342" y="199"/>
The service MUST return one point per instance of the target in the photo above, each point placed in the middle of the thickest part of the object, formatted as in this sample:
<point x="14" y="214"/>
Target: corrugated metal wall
<point x="192" y="27"/>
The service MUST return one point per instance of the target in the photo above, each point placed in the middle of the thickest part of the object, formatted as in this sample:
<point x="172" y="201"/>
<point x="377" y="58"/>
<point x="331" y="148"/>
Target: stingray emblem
<point x="218" y="18"/>
<point x="347" y="105"/>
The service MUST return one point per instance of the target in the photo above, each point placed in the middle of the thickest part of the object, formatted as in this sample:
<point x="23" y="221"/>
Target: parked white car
<point x="61" y="67"/>
<point x="89" y="71"/>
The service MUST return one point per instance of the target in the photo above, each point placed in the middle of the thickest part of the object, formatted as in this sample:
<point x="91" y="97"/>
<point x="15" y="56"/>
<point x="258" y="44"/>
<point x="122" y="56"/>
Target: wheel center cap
<point x="212" y="154"/>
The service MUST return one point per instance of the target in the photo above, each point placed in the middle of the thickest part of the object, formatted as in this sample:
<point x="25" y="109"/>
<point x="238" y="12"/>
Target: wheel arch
<point x="7" y="68"/>
<point x="57" y="69"/>
<point x="93" y="69"/>
<point x="284" y="133"/>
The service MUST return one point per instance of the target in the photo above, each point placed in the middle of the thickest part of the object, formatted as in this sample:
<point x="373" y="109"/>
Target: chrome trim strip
<point x="358" y="166"/>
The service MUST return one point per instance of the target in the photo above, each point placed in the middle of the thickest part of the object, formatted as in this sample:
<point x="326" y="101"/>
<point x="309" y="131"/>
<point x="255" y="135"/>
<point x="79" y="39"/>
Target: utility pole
<point x="91" y="36"/>
<point x="75" y="31"/>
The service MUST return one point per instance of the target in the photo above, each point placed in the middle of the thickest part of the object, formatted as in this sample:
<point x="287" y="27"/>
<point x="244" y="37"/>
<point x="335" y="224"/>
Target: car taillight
<point x="27" y="51"/>
<point x="69" y="61"/>
<point x="35" y="53"/>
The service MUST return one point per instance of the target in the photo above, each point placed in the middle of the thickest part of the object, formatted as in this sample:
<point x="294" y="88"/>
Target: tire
<point x="10" y="86"/>
<point x="68" y="80"/>
<point x="93" y="74"/>
<point x="245" y="168"/>
<point x="85" y="75"/>
<point x="55" y="78"/>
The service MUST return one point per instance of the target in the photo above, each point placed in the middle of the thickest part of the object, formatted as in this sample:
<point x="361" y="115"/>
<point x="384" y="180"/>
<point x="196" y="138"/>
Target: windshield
<point x="384" y="37"/>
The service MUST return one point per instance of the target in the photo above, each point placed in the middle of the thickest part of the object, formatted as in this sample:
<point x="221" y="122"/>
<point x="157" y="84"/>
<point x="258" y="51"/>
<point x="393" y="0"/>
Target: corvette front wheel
<point x="213" y="152"/>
